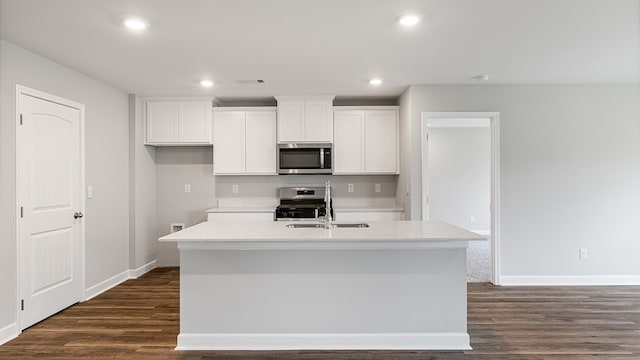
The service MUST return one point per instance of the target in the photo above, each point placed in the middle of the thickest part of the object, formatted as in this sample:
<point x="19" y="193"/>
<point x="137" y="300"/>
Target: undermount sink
<point x="338" y="225"/>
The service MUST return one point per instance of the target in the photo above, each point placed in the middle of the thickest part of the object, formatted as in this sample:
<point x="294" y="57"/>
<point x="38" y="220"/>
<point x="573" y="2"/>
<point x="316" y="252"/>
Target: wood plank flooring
<point x="139" y="319"/>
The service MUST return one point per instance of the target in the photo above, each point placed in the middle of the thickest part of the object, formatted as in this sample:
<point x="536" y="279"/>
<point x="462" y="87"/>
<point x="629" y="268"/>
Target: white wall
<point x="459" y="176"/>
<point x="107" y="156"/>
<point x="142" y="184"/>
<point x="175" y="167"/>
<point x="570" y="173"/>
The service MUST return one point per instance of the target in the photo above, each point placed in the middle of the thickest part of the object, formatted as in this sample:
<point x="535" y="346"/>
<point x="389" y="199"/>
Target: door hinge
<point x="20" y="119"/>
<point x="22" y="305"/>
<point x="21" y="211"/>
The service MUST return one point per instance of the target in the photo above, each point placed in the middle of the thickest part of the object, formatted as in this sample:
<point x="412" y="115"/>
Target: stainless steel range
<point x="302" y="203"/>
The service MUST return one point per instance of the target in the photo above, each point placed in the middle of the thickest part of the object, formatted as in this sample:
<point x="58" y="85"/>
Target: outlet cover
<point x="234" y="188"/>
<point x="584" y="254"/>
<point x="378" y="188"/>
<point x="350" y="188"/>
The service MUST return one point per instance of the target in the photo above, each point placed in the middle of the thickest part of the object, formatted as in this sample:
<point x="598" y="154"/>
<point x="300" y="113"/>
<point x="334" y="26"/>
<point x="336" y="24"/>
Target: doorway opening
<point x="460" y="182"/>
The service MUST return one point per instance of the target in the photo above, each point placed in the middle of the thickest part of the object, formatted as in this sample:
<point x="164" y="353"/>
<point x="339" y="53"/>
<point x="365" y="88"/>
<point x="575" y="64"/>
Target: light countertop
<point x="266" y="231"/>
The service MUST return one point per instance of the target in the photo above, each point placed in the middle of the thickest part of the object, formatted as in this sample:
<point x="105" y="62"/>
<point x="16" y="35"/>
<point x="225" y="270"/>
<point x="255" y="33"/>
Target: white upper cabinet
<point x="365" y="140"/>
<point x="178" y="122"/>
<point x="305" y="119"/>
<point x="244" y="141"/>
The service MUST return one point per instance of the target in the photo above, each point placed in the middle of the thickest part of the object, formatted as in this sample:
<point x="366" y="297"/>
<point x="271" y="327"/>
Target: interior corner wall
<point x="175" y="167"/>
<point x="403" y="191"/>
<point x="107" y="166"/>
<point x="570" y="173"/>
<point x="143" y="240"/>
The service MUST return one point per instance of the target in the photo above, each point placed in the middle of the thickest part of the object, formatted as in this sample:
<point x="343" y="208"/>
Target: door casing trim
<point x="494" y="124"/>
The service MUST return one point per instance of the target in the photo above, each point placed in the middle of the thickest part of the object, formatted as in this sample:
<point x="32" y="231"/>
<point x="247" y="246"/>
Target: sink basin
<point x="303" y="225"/>
<point x="351" y="225"/>
<point x="337" y="225"/>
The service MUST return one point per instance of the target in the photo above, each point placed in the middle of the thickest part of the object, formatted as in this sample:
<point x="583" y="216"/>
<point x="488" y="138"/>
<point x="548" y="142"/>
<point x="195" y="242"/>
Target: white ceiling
<point x="330" y="46"/>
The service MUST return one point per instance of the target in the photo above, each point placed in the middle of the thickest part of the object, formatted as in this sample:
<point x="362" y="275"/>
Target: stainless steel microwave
<point x="304" y="158"/>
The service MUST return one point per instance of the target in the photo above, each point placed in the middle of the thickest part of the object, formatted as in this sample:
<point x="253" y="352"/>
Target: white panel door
<point x="290" y="118"/>
<point x="260" y="142"/>
<point x="318" y="121"/>
<point x="228" y="148"/>
<point x="381" y="142"/>
<point x="348" y="142"/>
<point x="49" y="235"/>
<point x="162" y="122"/>
<point x="195" y="122"/>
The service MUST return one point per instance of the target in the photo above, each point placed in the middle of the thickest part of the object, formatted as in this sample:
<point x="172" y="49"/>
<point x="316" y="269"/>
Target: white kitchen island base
<point x="344" y="291"/>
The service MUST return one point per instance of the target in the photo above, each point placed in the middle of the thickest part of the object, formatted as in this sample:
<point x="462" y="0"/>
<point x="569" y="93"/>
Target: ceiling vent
<point x="258" y="81"/>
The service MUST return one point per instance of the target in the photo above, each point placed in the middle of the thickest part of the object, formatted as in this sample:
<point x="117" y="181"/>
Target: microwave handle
<point x="322" y="158"/>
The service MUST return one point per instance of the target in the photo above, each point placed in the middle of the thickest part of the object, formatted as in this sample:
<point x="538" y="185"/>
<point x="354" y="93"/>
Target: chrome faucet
<point x="328" y="220"/>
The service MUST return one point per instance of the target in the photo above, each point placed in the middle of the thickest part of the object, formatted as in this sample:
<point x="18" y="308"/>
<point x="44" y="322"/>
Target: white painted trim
<point x="569" y="280"/>
<point x="484" y="122"/>
<point x="9" y="333"/>
<point x="365" y="107"/>
<point x="364" y="341"/>
<point x="136" y="273"/>
<point x="105" y="285"/>
<point x="322" y="245"/>
<point x="20" y="89"/>
<point x="494" y="118"/>
<point x="244" y="108"/>
<point x="118" y="279"/>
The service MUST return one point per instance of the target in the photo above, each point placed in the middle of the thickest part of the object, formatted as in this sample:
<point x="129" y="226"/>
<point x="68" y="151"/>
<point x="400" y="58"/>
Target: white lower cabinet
<point x="244" y="141"/>
<point x="365" y="141"/>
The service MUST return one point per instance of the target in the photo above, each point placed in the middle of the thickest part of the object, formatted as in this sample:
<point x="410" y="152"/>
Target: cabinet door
<point x="348" y="145"/>
<point x="290" y="117"/>
<point x="228" y="149"/>
<point x="260" y="148"/>
<point x="318" y="121"/>
<point x="195" y="124"/>
<point x="162" y="122"/>
<point x="381" y="141"/>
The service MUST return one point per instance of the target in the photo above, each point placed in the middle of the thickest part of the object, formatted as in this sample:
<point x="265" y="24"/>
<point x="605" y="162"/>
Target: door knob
<point x="78" y="215"/>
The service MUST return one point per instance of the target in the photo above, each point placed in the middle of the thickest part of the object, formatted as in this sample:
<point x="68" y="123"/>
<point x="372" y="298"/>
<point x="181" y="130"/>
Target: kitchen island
<point x="264" y="286"/>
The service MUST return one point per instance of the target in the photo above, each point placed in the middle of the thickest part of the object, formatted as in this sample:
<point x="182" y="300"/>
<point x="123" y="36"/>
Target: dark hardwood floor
<point x="139" y="319"/>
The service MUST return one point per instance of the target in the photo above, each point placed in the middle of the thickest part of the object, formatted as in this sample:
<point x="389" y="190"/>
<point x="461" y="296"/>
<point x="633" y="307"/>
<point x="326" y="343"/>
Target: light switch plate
<point x="89" y="192"/>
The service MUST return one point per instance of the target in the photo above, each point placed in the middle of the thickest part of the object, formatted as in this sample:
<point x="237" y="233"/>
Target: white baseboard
<point x="118" y="279"/>
<point x="103" y="286"/>
<point x="525" y="280"/>
<point x="9" y="333"/>
<point x="392" y="341"/>
<point x="136" y="273"/>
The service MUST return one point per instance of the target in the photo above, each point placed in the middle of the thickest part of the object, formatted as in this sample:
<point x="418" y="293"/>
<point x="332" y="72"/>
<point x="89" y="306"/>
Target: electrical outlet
<point x="472" y="219"/>
<point x="584" y="254"/>
<point x="378" y="188"/>
<point x="234" y="188"/>
<point x="350" y="187"/>
<point x="187" y="188"/>
<point x="89" y="192"/>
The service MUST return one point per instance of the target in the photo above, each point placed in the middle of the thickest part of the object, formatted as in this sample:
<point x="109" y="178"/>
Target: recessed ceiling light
<point x="409" y="20"/>
<point x="135" y="24"/>
<point x="375" y="82"/>
<point x="481" y="78"/>
<point x="206" y="83"/>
